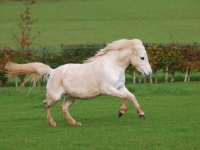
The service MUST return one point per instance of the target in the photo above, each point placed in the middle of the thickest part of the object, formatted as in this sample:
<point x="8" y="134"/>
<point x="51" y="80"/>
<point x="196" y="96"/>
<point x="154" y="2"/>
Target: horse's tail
<point x="36" y="70"/>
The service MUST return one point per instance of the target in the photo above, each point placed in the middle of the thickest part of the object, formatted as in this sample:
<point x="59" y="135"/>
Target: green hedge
<point x="174" y="56"/>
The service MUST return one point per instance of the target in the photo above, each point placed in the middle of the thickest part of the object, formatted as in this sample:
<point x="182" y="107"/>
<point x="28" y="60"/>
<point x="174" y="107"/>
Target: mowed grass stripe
<point x="80" y="22"/>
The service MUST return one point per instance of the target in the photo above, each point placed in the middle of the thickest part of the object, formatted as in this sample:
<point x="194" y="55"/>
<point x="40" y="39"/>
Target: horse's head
<point x="139" y="58"/>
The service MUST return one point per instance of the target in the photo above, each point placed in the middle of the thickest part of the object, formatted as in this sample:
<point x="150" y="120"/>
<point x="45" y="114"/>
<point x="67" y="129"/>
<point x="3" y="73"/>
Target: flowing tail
<point x="36" y="70"/>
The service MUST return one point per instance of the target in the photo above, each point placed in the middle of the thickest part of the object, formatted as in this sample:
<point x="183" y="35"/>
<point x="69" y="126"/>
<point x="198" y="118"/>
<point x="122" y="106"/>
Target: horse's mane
<point x="116" y="45"/>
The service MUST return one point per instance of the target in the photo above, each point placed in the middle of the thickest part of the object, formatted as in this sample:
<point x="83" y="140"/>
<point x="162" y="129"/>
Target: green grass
<point x="172" y="112"/>
<point x="72" y="22"/>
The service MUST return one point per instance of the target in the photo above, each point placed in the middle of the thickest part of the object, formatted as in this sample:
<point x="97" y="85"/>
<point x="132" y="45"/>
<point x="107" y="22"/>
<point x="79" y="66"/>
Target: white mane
<point x="116" y="45"/>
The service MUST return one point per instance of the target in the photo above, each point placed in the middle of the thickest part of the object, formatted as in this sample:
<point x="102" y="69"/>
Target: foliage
<point x="18" y="56"/>
<point x="24" y="39"/>
<point x="80" y="52"/>
<point x="174" y="56"/>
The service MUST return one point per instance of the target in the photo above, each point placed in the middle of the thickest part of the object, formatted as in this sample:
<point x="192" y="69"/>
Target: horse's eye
<point x="142" y="58"/>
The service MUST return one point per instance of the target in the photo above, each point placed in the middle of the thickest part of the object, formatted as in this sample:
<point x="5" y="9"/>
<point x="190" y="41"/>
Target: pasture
<point x="97" y="21"/>
<point x="172" y="122"/>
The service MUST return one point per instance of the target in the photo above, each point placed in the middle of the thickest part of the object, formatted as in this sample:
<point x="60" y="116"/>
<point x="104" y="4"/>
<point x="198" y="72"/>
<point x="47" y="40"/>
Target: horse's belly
<point x="80" y="89"/>
<point x="83" y="93"/>
<point x="79" y="80"/>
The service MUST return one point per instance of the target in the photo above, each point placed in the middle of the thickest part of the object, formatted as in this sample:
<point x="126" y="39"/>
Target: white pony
<point x="102" y="74"/>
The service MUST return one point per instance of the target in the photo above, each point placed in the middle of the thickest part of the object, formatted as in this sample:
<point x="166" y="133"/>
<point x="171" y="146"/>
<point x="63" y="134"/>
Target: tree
<point x="24" y="39"/>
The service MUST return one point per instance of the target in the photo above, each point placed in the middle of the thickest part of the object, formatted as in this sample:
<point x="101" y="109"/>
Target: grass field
<point x="172" y="112"/>
<point x="97" y="21"/>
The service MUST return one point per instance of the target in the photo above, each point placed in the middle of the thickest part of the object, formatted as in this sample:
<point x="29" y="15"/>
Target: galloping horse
<point x="103" y="73"/>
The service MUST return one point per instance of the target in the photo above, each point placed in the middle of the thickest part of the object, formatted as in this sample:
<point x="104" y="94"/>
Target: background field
<point x="172" y="112"/>
<point x="98" y="21"/>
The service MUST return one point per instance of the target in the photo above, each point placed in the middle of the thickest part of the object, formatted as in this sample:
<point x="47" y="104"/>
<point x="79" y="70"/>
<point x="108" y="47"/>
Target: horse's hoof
<point x="53" y="124"/>
<point x="120" y="114"/>
<point x="78" y="124"/>
<point x="142" y="116"/>
<point x="75" y="124"/>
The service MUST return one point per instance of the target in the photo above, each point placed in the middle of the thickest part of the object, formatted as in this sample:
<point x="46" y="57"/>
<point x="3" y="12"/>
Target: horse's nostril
<point x="148" y="74"/>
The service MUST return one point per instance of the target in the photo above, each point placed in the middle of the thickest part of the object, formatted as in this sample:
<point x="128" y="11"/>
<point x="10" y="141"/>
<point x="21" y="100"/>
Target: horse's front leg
<point x="124" y="94"/>
<point x="134" y="100"/>
<point x="124" y="107"/>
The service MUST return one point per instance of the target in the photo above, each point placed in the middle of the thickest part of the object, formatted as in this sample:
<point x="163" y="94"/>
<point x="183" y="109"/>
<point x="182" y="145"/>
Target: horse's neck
<point x="119" y="58"/>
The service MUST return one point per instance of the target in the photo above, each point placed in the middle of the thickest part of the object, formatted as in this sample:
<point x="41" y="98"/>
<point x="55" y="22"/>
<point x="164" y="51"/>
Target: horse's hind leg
<point x="65" y="107"/>
<point x="50" y="120"/>
<point x="123" y="108"/>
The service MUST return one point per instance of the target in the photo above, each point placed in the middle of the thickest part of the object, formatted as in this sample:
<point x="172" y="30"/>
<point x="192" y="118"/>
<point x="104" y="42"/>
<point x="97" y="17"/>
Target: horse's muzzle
<point x="148" y="73"/>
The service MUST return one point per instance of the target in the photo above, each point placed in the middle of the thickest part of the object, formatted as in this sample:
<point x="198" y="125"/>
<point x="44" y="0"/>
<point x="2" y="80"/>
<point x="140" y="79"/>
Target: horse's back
<point x="76" y="80"/>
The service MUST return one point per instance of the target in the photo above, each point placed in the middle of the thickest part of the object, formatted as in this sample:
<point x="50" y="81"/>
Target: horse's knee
<point x="45" y="104"/>
<point x="49" y="102"/>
